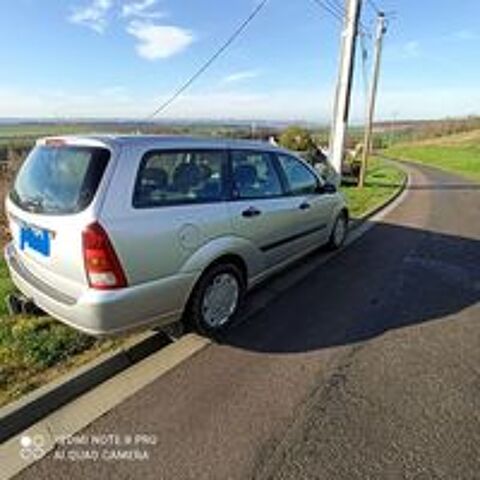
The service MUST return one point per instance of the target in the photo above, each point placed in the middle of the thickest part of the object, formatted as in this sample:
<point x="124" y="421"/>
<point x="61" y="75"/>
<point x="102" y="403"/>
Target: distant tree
<point x="298" y="139"/>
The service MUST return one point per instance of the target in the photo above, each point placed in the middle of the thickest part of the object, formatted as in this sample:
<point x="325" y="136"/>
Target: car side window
<point x="254" y="175"/>
<point x="180" y="177"/>
<point x="300" y="179"/>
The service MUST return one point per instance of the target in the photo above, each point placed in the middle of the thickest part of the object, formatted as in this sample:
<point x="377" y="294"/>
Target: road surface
<point x="368" y="368"/>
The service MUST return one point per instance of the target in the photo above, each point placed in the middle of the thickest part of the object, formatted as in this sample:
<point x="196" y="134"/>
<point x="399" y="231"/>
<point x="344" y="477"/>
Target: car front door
<point x="314" y="208"/>
<point x="261" y="210"/>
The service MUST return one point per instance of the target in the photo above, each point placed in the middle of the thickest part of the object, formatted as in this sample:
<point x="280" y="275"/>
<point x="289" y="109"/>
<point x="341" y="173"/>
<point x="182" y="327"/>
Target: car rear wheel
<point x="216" y="298"/>
<point x="339" y="232"/>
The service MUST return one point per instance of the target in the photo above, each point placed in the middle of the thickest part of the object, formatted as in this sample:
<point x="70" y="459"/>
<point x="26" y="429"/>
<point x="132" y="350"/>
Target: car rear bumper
<point x="101" y="313"/>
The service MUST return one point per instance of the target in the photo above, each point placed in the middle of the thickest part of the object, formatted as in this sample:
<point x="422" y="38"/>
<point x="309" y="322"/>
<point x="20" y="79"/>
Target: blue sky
<point x="121" y="58"/>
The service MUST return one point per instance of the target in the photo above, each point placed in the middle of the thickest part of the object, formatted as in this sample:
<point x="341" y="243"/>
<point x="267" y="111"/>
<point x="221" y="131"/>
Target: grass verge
<point x="35" y="351"/>
<point x="459" y="154"/>
<point x="383" y="181"/>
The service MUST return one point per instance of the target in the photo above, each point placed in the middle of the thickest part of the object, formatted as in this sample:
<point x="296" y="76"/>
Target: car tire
<point x="216" y="299"/>
<point x="339" y="232"/>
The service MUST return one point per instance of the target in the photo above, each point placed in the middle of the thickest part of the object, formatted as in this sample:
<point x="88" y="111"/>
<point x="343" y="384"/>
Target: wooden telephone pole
<point x="367" y="142"/>
<point x="344" y="85"/>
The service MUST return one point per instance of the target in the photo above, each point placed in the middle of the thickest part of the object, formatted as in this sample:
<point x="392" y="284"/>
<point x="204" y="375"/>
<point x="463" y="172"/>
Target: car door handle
<point x="251" y="212"/>
<point x="304" y="206"/>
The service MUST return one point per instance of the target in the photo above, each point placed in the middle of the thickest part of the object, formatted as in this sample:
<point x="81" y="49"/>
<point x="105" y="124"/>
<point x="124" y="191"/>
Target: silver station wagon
<point x="112" y="233"/>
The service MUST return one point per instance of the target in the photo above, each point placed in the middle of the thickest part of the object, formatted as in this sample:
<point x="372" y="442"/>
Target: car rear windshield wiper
<point x="33" y="204"/>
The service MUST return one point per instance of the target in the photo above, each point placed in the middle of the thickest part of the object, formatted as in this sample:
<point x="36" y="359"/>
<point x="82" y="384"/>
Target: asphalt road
<point x="368" y="368"/>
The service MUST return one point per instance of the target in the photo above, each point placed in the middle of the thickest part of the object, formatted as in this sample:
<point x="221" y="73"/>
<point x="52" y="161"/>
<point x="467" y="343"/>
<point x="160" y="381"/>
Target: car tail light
<point x="104" y="271"/>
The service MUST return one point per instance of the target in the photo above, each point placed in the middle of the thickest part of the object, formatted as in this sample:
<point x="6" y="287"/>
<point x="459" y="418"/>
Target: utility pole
<point x="344" y="84"/>
<point x="367" y="142"/>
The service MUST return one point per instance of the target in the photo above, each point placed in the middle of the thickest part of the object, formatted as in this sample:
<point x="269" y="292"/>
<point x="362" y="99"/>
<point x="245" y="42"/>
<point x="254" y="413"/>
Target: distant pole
<point x="344" y="84"/>
<point x="253" y="130"/>
<point x="393" y="122"/>
<point x="367" y="142"/>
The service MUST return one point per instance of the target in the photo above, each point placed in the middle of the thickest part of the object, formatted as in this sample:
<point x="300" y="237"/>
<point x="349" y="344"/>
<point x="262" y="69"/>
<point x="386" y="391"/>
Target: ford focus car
<point x="112" y="233"/>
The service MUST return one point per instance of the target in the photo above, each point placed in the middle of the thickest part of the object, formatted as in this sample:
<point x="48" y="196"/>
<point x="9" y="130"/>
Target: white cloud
<point x="93" y="15"/>
<point x="141" y="9"/>
<point x="159" y="41"/>
<point x="240" y="76"/>
<point x="153" y="41"/>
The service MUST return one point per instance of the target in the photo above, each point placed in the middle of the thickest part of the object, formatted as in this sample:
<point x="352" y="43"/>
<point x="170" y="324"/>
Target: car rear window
<point x="180" y="178"/>
<point x="59" y="180"/>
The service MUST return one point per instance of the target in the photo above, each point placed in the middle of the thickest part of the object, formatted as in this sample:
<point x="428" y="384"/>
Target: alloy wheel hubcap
<point x="220" y="300"/>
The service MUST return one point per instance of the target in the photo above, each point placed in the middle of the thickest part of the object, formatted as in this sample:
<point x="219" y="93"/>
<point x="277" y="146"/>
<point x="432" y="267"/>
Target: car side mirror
<point x="327" y="188"/>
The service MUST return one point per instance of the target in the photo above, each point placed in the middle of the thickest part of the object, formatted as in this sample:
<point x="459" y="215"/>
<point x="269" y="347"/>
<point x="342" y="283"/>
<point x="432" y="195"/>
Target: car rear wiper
<point x="33" y="204"/>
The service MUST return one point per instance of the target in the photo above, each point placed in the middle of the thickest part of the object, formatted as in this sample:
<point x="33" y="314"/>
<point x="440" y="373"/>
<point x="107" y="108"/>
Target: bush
<point x="297" y="139"/>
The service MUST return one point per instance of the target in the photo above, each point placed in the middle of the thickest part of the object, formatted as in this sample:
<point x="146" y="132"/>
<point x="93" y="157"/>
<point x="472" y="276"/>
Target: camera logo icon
<point x="32" y="448"/>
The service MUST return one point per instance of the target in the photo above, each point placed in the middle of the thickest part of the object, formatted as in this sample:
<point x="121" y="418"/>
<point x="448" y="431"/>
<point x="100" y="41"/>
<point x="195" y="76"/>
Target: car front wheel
<point x="339" y="232"/>
<point x="216" y="298"/>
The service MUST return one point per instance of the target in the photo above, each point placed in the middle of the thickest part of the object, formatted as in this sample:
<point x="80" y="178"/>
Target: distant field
<point x="26" y="133"/>
<point x="458" y="154"/>
<point x="25" y="130"/>
<point x="21" y="134"/>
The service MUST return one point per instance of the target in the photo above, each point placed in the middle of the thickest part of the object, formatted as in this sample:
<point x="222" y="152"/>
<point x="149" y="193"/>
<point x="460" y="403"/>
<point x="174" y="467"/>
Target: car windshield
<point x="59" y="180"/>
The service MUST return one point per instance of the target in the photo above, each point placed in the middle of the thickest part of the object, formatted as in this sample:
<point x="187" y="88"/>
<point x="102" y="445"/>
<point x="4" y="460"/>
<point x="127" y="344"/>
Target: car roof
<point x="162" y="141"/>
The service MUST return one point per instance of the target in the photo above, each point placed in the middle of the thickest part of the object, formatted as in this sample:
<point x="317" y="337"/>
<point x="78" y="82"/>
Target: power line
<point x="340" y="5"/>
<point x="338" y="12"/>
<point x="374" y="6"/>
<point x="210" y="61"/>
<point x="329" y="9"/>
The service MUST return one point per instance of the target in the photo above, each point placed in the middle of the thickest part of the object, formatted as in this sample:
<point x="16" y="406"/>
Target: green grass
<point x="26" y="130"/>
<point x="30" y="346"/>
<point x="36" y="350"/>
<point x="383" y="181"/>
<point x="458" y="154"/>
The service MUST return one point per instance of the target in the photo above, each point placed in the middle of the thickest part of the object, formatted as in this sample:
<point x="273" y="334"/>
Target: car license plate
<point x="36" y="239"/>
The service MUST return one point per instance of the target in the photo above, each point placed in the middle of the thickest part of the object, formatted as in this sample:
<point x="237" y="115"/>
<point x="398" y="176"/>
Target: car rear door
<point x="171" y="204"/>
<point x="260" y="209"/>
